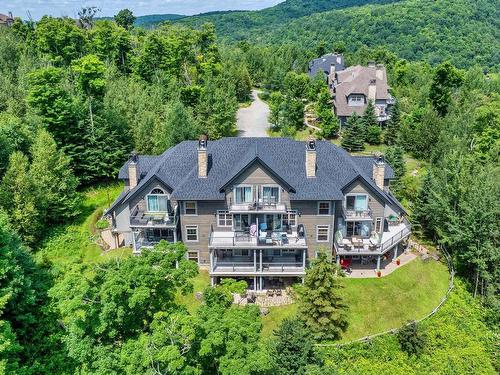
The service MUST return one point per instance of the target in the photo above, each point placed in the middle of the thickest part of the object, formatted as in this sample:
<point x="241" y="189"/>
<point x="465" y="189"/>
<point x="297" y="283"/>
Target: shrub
<point x="411" y="340"/>
<point x="102" y="224"/>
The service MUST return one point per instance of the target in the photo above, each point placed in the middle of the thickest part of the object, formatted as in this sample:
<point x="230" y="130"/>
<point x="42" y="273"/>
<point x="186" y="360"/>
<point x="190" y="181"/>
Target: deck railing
<point x="148" y="219"/>
<point x="357" y="214"/>
<point x="244" y="238"/>
<point x="261" y="204"/>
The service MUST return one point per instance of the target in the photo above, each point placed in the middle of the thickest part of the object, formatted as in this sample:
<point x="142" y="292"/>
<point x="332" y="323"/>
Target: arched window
<point x="157" y="201"/>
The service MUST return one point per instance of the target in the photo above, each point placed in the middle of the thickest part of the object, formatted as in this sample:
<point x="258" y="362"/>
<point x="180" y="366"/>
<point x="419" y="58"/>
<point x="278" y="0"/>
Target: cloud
<point x="38" y="8"/>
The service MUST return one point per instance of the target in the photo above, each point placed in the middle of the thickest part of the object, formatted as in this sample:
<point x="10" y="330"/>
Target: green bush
<point x="411" y="340"/>
<point x="102" y="224"/>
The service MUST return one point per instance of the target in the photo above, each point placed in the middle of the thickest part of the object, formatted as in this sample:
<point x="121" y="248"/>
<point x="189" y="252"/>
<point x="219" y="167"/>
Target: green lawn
<point x="77" y="241"/>
<point x="411" y="292"/>
<point x="376" y="305"/>
<point x="200" y="282"/>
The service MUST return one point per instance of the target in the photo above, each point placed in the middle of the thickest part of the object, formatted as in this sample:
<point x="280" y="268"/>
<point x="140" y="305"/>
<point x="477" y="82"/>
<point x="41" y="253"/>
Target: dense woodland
<point x="79" y="96"/>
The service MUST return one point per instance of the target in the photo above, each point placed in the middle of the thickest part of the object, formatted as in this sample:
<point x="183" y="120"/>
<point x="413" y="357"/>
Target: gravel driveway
<point x="252" y="121"/>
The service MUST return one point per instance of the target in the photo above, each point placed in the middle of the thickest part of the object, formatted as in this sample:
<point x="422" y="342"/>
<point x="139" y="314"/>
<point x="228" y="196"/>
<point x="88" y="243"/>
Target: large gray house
<point x="355" y="86"/>
<point x="259" y="209"/>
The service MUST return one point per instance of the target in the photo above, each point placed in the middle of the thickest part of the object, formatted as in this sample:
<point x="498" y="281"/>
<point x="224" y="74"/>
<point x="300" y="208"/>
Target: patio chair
<point x="270" y="293"/>
<point x="278" y="293"/>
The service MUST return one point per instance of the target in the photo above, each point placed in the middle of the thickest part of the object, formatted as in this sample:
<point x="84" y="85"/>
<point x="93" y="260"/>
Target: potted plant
<point x="379" y="273"/>
<point x="398" y="261"/>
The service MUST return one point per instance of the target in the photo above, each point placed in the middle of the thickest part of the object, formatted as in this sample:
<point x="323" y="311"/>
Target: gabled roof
<point x="324" y="64"/>
<point x="356" y="80"/>
<point x="283" y="158"/>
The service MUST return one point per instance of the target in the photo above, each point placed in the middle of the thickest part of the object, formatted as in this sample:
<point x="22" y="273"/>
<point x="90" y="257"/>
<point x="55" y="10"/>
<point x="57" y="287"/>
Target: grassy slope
<point x="375" y="304"/>
<point x="71" y="243"/>
<point x="457" y="342"/>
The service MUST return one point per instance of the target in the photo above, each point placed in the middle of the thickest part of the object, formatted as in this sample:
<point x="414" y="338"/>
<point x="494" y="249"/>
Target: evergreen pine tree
<point x="293" y="349"/>
<point x="53" y="179"/>
<point x="394" y="155"/>
<point x="392" y="132"/>
<point x="369" y="119"/>
<point x="177" y="126"/>
<point x="321" y="307"/>
<point x="19" y="199"/>
<point x="353" y="138"/>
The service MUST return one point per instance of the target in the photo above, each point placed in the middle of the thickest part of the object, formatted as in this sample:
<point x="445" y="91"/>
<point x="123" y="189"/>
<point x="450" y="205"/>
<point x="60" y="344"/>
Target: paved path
<point x="252" y="121"/>
<point x="387" y="268"/>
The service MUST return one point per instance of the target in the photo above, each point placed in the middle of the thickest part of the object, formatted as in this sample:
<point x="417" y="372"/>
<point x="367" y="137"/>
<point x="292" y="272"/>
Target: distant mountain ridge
<point x="463" y="31"/>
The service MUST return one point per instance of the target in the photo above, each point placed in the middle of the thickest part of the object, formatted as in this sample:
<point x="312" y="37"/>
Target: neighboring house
<point x="353" y="87"/>
<point x="327" y="64"/>
<point x="259" y="209"/>
<point x="6" y="20"/>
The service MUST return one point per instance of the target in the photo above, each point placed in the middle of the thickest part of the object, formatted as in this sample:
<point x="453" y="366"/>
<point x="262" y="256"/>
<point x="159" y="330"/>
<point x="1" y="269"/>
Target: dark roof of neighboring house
<point x="228" y="157"/>
<point x="324" y="64"/>
<point x="356" y="80"/>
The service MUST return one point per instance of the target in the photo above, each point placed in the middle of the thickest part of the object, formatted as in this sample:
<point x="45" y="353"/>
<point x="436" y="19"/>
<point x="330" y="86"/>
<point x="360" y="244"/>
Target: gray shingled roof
<point x="177" y="168"/>
<point x="324" y="63"/>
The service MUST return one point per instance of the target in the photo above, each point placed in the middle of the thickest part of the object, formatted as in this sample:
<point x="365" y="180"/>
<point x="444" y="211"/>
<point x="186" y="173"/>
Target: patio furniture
<point x="278" y="292"/>
<point x="253" y="230"/>
<point x="251" y="298"/>
<point x="270" y="293"/>
<point x="357" y="242"/>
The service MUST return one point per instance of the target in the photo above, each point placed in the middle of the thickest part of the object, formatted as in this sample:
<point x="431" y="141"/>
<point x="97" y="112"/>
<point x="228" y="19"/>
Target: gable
<point x="257" y="173"/>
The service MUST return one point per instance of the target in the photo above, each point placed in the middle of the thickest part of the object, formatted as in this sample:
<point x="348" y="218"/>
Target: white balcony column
<point x="212" y="281"/>
<point x="338" y="260"/>
<point x="261" y="283"/>
<point x="255" y="283"/>
<point x="133" y="242"/>
<point x="212" y="265"/>
<point x="260" y="261"/>
<point x="304" y="258"/>
<point x="378" y="263"/>
<point x="175" y="235"/>
<point x="395" y="253"/>
<point x="255" y="260"/>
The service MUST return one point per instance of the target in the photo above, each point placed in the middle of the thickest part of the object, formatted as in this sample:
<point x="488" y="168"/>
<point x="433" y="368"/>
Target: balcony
<point x="260" y="205"/>
<point x="257" y="262"/>
<point x="370" y="246"/>
<point x="357" y="215"/>
<point x="147" y="238"/>
<point x="143" y="219"/>
<point x="244" y="239"/>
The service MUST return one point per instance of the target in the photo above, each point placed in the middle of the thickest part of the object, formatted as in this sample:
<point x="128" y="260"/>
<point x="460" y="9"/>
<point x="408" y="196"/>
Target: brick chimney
<point x="371" y="64"/>
<point x="311" y="158"/>
<point x="379" y="171"/>
<point x="379" y="73"/>
<point x="133" y="171"/>
<point x="202" y="157"/>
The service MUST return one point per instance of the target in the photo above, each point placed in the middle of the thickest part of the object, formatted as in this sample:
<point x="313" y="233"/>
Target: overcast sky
<point x="38" y="8"/>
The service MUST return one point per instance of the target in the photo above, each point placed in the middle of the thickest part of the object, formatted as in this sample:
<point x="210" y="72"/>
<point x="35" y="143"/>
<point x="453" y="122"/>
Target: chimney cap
<point x="311" y="143"/>
<point x="379" y="158"/>
<point x="202" y="142"/>
<point x="371" y="64"/>
<point x="134" y="157"/>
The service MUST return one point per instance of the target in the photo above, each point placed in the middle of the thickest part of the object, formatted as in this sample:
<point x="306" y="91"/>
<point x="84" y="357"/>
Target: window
<point x="324" y="208"/>
<point x="193" y="256"/>
<point x="191" y="233"/>
<point x="357" y="98"/>
<point x="191" y="208"/>
<point x="359" y="228"/>
<point x="243" y="194"/>
<point x="270" y="194"/>
<point x="378" y="225"/>
<point x="157" y="201"/>
<point x="241" y="222"/>
<point x="285" y="252"/>
<point x="241" y="252"/>
<point x="273" y="221"/>
<point x="290" y="219"/>
<point x="322" y="233"/>
<point x="224" y="219"/>
<point x="357" y="202"/>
